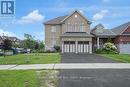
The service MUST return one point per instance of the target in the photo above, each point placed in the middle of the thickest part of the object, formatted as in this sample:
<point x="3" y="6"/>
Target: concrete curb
<point x="67" y="66"/>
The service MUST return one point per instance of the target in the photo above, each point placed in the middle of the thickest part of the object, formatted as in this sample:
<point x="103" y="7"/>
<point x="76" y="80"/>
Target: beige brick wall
<point x="72" y="20"/>
<point x="49" y="35"/>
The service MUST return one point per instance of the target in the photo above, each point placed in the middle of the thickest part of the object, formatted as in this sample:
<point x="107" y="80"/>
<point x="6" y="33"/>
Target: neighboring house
<point x="73" y="34"/>
<point x="14" y="40"/>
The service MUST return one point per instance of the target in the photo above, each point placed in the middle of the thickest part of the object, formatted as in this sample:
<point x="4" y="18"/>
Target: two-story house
<point x="73" y="34"/>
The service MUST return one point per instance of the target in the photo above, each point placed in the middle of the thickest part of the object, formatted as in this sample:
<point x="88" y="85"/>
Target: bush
<point x="98" y="51"/>
<point x="108" y="48"/>
<point x="57" y="48"/>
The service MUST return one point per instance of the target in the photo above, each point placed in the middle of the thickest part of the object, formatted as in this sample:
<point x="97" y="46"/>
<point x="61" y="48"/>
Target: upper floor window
<point x="75" y="16"/>
<point x="82" y="27"/>
<point x="53" y="28"/>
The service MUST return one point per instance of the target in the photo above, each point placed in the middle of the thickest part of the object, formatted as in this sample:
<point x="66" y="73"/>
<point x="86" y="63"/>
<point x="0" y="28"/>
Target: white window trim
<point x="81" y="27"/>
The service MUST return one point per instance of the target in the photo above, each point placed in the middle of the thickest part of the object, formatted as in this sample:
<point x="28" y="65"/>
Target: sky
<point x="31" y="14"/>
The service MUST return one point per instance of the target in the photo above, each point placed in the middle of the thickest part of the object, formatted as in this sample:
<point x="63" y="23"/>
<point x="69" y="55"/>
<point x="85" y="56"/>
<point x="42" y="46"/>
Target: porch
<point x="98" y="42"/>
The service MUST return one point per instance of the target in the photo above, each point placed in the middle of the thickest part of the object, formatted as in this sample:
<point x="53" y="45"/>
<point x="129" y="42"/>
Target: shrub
<point x="57" y="48"/>
<point x="108" y="48"/>
<point x="98" y="51"/>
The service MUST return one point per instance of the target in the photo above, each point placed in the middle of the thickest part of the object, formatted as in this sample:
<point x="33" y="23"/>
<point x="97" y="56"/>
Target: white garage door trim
<point x="69" y="47"/>
<point x="83" y="47"/>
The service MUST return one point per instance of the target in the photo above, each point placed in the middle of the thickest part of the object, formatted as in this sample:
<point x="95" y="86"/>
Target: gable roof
<point x="73" y="13"/>
<point x="61" y="19"/>
<point x="120" y="29"/>
<point x="99" y="30"/>
<point x="56" y="20"/>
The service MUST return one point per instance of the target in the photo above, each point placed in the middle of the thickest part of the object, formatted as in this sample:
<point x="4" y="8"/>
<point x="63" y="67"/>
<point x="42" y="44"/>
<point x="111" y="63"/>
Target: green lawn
<point x="39" y="58"/>
<point x="29" y="78"/>
<point x="118" y="57"/>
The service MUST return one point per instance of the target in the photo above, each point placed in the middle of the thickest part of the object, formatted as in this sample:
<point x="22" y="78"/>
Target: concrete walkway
<point x="67" y="66"/>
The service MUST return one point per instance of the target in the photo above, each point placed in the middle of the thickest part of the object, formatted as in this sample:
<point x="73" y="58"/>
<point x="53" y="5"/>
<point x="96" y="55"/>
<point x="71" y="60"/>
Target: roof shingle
<point x="56" y="20"/>
<point x="119" y="30"/>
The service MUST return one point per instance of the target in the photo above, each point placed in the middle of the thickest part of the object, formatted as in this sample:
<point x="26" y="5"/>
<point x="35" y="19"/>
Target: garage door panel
<point x="73" y="48"/>
<point x="69" y="47"/>
<point x="87" y="48"/>
<point x="79" y="48"/>
<point x="83" y="47"/>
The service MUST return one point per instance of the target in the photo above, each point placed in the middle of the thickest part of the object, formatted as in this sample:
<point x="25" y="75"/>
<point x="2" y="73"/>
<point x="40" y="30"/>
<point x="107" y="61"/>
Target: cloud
<point x="32" y="17"/>
<point x="81" y="11"/>
<point x="100" y="15"/>
<point x="6" y="33"/>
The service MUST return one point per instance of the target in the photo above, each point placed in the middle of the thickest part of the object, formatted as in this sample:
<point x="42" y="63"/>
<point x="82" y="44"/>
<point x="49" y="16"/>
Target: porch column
<point x="62" y="47"/>
<point x="76" y="48"/>
<point x="98" y="42"/>
<point x="90" y="47"/>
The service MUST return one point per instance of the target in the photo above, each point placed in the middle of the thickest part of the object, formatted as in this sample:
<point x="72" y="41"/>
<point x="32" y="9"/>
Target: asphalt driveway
<point x="85" y="58"/>
<point x="94" y="78"/>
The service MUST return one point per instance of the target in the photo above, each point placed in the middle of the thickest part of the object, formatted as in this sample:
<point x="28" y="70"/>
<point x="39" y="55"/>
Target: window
<point x="75" y="16"/>
<point x="82" y="27"/>
<point x="53" y="42"/>
<point x="75" y="27"/>
<point x="69" y="27"/>
<point x="53" y="28"/>
<point x="126" y="42"/>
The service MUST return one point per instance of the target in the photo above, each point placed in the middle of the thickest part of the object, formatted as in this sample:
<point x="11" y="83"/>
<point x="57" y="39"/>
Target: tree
<point x="7" y="44"/>
<point x="36" y="46"/>
<point x="42" y="45"/>
<point x="29" y="42"/>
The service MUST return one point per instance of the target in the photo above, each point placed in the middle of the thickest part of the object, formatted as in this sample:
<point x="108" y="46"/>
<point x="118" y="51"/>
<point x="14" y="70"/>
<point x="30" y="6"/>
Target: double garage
<point x="76" y="47"/>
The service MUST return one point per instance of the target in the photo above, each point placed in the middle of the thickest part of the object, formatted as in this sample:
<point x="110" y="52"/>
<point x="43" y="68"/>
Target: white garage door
<point x="124" y="48"/>
<point x="69" y="47"/>
<point x="83" y="47"/>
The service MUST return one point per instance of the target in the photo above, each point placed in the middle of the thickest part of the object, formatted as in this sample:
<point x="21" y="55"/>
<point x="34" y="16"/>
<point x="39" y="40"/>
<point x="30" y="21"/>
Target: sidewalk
<point x="67" y="66"/>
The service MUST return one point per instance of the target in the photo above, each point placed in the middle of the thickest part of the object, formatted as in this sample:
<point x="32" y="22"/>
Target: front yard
<point x="125" y="58"/>
<point x="29" y="78"/>
<point x="36" y="58"/>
